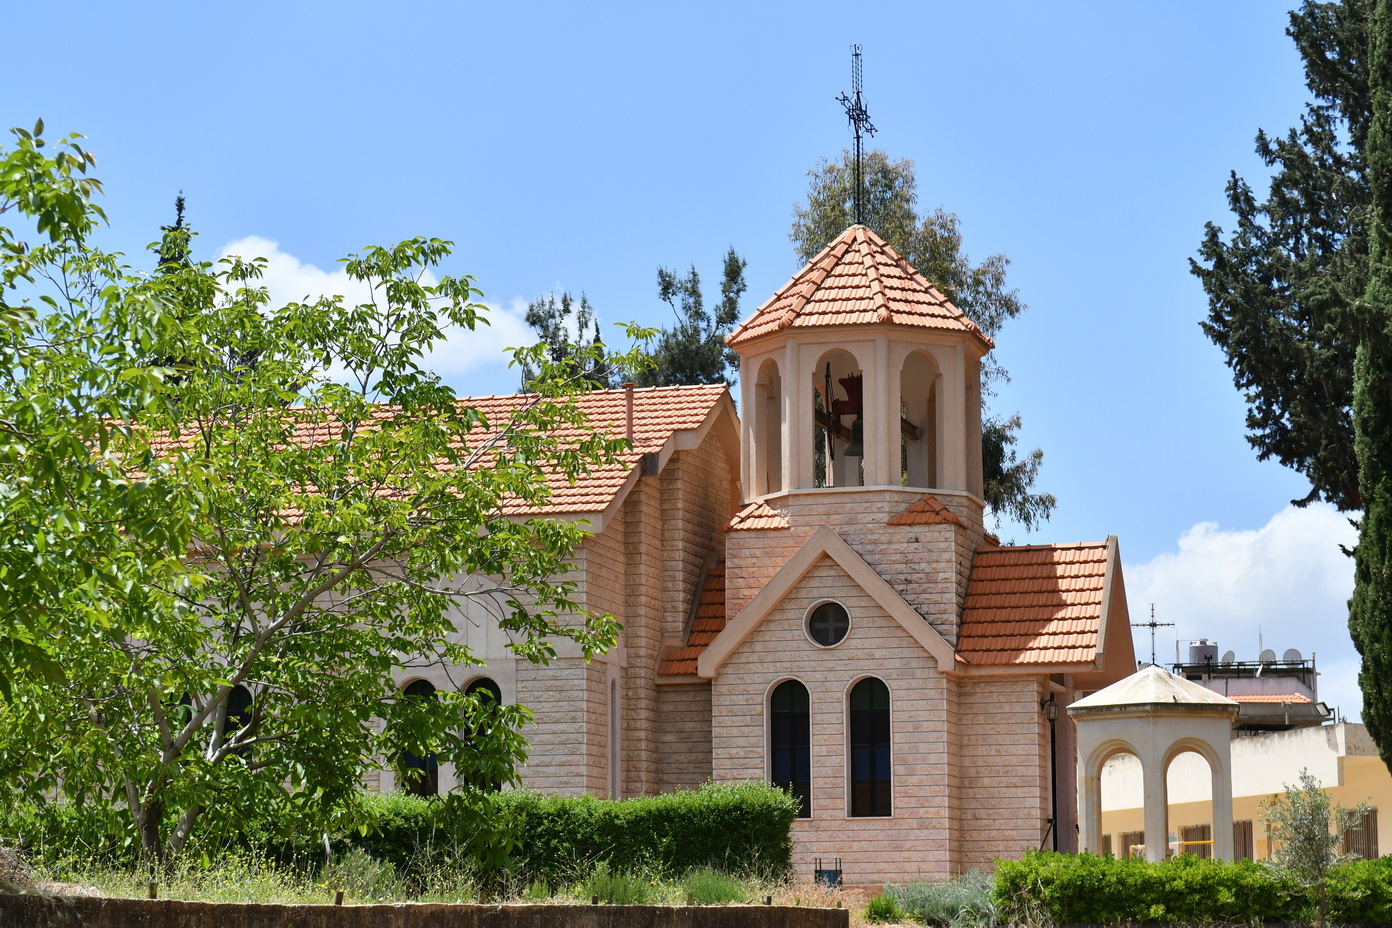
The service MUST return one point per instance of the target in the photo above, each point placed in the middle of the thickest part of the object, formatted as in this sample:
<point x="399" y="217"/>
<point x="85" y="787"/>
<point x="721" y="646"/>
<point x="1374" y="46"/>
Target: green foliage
<point x="570" y="340"/>
<point x="1085" y="888"/>
<point x="1283" y="286"/>
<point x="271" y="512"/>
<point x="965" y="902"/>
<point x="693" y="349"/>
<point x="619" y="887"/>
<point x="1370" y="608"/>
<point x="883" y="908"/>
<point x="1309" y="828"/>
<point x="1360" y="893"/>
<point x="709" y="886"/>
<point x="932" y="243"/>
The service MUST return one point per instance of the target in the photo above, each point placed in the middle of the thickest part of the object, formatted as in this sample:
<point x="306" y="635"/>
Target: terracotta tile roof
<point x="756" y="515"/>
<point x="1034" y="604"/>
<point x="856" y="280"/>
<point x="1269" y="697"/>
<point x="927" y="511"/>
<point x="658" y="412"/>
<point x="708" y="622"/>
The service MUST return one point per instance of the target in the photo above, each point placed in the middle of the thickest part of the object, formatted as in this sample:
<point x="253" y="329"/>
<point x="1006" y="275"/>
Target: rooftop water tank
<point x="1203" y="650"/>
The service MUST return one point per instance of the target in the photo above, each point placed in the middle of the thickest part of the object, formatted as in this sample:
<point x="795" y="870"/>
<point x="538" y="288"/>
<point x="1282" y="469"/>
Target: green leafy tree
<point x="1309" y="829"/>
<point x="1370" y="609"/>
<point x="1281" y="287"/>
<point x="932" y="243"/>
<point x="569" y="332"/>
<point x="210" y="581"/>
<point x="693" y="349"/>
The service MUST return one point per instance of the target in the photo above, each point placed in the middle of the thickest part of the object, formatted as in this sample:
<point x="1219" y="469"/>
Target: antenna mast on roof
<point x="860" y="123"/>
<point x="1153" y="625"/>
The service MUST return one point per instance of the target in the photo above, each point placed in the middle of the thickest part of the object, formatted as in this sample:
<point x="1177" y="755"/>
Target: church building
<point x="809" y="594"/>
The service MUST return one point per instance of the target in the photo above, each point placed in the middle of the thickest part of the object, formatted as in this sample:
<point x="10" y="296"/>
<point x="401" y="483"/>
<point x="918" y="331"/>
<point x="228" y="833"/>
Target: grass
<point x="363" y="879"/>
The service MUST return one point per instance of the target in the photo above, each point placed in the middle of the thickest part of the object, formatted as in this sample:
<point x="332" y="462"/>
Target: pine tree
<point x="693" y="349"/>
<point x="572" y="342"/>
<point x="1281" y="287"/>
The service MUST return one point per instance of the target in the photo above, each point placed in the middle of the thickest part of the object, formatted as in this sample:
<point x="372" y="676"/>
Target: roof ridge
<point x="878" y="297"/>
<point x="1050" y="547"/>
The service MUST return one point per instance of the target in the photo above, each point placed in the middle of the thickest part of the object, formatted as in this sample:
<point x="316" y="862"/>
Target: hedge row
<point x="1085" y="888"/>
<point x="742" y="828"/>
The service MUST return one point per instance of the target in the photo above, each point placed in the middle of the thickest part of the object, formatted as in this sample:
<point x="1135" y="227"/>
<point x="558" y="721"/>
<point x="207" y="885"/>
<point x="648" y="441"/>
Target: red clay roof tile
<point x="1033" y="604"/>
<point x="658" y="412"/>
<point x="708" y="622"/>
<point x="756" y="515"/>
<point x="1269" y="697"/>
<point x="927" y="511"/>
<point x="856" y="280"/>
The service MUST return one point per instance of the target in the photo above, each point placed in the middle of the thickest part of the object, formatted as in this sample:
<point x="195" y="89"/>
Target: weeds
<point x="965" y="902"/>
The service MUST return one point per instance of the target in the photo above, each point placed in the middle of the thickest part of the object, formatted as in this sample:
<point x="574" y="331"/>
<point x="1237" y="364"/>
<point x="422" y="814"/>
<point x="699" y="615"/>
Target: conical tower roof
<point x="857" y="280"/>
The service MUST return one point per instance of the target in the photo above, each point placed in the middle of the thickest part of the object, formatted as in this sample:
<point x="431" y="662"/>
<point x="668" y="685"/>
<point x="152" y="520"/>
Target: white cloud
<point x="465" y="357"/>
<point x="1285" y="585"/>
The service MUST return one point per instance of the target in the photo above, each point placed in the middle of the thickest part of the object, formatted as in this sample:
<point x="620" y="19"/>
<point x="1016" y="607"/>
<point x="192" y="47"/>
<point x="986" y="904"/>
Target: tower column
<point x="881" y="418"/>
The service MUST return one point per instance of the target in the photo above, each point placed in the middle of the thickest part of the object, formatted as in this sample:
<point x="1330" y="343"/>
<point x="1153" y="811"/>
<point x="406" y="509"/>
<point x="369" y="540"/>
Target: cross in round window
<point x="828" y="624"/>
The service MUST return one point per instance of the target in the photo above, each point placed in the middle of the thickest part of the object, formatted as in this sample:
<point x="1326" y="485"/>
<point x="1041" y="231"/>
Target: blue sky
<point x="580" y="146"/>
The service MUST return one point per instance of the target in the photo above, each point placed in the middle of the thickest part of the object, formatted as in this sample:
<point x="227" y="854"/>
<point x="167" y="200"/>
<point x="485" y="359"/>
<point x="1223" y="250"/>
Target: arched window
<point x="422" y="773"/>
<point x="790" y="742"/>
<point x="489" y="694"/>
<point x="870" y="748"/>
<point x="239" y="703"/>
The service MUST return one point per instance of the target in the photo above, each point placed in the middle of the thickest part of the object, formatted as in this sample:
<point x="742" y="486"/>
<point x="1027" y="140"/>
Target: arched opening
<point x="1123" y="806"/>
<point x="790" y="742"/>
<point x="479" y="725"/>
<point x="768" y="429"/>
<point x="871" y="753"/>
<point x="838" y="411"/>
<point x="238" y="717"/>
<point x="918" y="421"/>
<point x="421" y="775"/>
<point x="1189" y="803"/>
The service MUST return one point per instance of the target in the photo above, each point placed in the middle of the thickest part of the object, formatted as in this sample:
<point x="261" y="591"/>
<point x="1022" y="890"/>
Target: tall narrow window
<point x="790" y="742"/>
<point x="422" y="774"/>
<point x="870" y="748"/>
<point x="239" y="705"/>
<point x="489" y="695"/>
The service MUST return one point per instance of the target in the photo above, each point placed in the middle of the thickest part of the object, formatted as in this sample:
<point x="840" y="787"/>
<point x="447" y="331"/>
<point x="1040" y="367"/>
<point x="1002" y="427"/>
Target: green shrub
<point x="742" y="829"/>
<point x="1360" y="893"/>
<point x="616" y="887"/>
<point x="707" y="886"/>
<point x="965" y="902"/>
<point x="883" y="908"/>
<point x="1068" y="888"/>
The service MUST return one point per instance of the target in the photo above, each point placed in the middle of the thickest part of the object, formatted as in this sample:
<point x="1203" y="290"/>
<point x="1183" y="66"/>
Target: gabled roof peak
<point x="857" y="280"/>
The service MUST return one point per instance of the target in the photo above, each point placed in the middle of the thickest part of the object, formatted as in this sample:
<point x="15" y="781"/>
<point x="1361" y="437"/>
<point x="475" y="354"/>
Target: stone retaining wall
<point x="67" y="912"/>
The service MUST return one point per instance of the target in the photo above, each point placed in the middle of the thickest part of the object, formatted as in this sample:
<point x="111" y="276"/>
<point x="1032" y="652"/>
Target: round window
<point x="828" y="624"/>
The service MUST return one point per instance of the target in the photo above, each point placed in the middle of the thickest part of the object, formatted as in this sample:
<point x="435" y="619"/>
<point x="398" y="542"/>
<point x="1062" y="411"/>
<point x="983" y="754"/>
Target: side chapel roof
<point x="1034" y="604"/>
<point x="658" y="413"/>
<point x="708" y="622"/>
<point x="856" y="280"/>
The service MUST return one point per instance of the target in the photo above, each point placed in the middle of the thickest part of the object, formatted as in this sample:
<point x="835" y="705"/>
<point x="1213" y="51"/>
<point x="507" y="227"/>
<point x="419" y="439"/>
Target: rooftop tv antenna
<point x="860" y="123"/>
<point x="1153" y="625"/>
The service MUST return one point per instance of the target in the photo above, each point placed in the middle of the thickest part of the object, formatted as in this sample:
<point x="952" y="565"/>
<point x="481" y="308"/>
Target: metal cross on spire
<point x="860" y="124"/>
<point x="1153" y="625"/>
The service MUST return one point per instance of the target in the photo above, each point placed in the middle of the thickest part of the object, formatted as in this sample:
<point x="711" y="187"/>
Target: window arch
<point x="871" y="753"/>
<point x="489" y="695"/>
<point x="422" y="774"/>
<point x="237" y="717"/>
<point x="790" y="742"/>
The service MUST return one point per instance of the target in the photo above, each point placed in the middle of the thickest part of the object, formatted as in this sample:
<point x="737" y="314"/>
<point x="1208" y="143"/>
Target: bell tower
<point x="858" y="373"/>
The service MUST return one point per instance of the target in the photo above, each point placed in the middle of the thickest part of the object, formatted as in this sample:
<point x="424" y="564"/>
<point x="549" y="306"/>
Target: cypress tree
<point x="1370" y="611"/>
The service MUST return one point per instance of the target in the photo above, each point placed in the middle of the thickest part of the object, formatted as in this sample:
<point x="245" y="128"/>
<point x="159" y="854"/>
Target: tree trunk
<point x="147" y="823"/>
<point x="1370" y="610"/>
